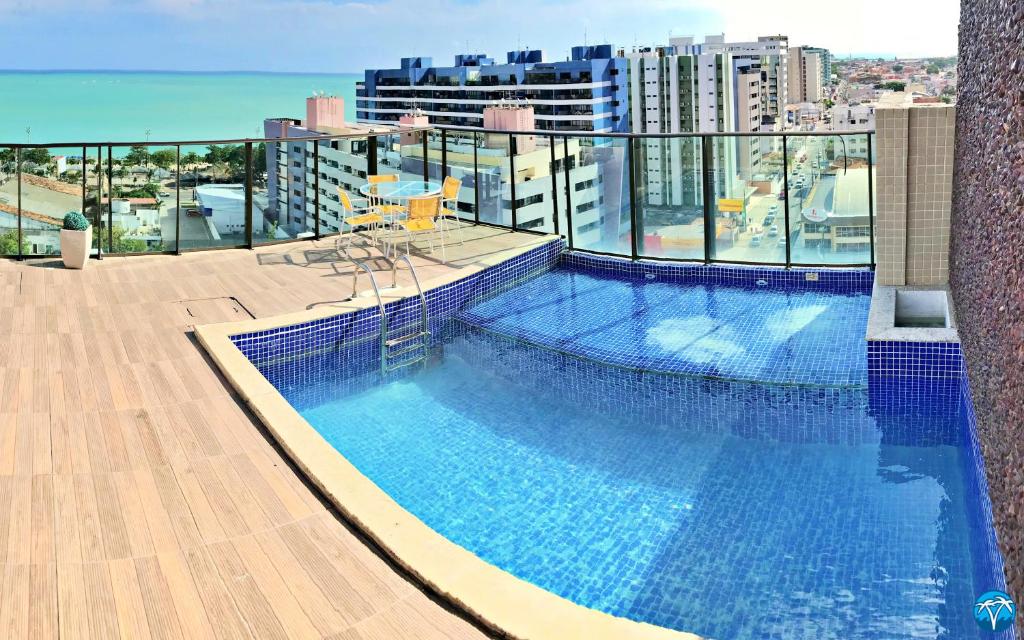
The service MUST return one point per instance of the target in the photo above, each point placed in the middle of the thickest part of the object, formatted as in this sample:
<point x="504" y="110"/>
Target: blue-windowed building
<point x="588" y="92"/>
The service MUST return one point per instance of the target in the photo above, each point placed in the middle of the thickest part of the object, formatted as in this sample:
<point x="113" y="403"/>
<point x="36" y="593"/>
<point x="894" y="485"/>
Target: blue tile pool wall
<point x="988" y="561"/>
<point x="741" y="428"/>
<point x="915" y="359"/>
<point x="364" y="325"/>
<point x="828" y="280"/>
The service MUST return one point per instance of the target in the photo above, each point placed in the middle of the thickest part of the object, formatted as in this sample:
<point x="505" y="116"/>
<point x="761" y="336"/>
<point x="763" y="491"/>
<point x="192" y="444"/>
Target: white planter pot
<point x="74" y="247"/>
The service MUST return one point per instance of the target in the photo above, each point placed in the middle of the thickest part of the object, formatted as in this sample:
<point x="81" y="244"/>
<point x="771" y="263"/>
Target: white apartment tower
<point x="679" y="89"/>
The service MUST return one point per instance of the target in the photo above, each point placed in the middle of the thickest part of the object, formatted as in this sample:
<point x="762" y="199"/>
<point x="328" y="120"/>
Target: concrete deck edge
<point x="494" y="597"/>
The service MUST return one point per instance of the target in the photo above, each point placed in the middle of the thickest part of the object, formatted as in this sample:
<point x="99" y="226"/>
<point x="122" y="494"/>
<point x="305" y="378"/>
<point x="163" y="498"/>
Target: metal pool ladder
<point x="399" y="347"/>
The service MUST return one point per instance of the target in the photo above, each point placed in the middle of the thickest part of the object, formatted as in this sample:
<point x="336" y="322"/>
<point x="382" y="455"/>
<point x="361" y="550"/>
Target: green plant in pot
<point x="75" y="240"/>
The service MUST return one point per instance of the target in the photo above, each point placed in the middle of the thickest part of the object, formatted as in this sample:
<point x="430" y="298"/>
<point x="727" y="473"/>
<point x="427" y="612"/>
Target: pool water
<point x="736" y="332"/>
<point x="730" y="509"/>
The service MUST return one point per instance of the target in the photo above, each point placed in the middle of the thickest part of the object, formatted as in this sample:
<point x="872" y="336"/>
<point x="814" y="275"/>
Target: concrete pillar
<point x="913" y="187"/>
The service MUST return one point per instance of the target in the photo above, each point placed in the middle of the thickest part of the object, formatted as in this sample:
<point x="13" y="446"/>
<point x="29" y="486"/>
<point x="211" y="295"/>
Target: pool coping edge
<point x="495" y="598"/>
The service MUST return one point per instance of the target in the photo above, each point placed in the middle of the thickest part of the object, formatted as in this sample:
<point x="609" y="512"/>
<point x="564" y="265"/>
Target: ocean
<point x="78" y="106"/>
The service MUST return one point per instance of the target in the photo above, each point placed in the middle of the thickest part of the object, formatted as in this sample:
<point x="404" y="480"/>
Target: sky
<point x="325" y="36"/>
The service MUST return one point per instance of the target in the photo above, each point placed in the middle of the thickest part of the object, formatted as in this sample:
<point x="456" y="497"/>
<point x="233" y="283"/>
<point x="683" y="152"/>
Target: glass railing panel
<point x="141" y="202"/>
<point x="746" y="186"/>
<point x="494" y="179"/>
<point x="669" y="197"/>
<point x="212" y="197"/>
<point x="51" y="187"/>
<point x="343" y="167"/>
<point x="459" y="147"/>
<point x="401" y="154"/>
<point x="599" y="185"/>
<point x="828" y="200"/>
<point x="282" y="207"/>
<point x="564" y="196"/>
<point x="8" y="202"/>
<point x="532" y="162"/>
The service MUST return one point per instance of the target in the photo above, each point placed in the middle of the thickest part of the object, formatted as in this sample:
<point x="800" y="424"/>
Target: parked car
<point x="755" y="240"/>
<point x="165" y="194"/>
<point x="782" y="194"/>
<point x="782" y="241"/>
<point x="774" y="231"/>
<point x="769" y="220"/>
<point x="773" y="209"/>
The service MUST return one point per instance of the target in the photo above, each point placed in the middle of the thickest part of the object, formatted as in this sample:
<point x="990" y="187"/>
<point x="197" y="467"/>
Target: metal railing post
<point x="110" y="199"/>
<point x="707" y="189"/>
<point x="248" y="195"/>
<point x="635" y="237"/>
<point x="785" y="201"/>
<point x="871" y="205"/>
<point x="568" y="190"/>
<point x="371" y="156"/>
<point x="98" y="219"/>
<point x="17" y="162"/>
<point x="476" y="183"/>
<point x="177" y="202"/>
<point x="84" y="189"/>
<point x="444" y="154"/>
<point x="554" y="183"/>
<point x="512" y="178"/>
<point x="426" y="167"/>
<point x="316" y="189"/>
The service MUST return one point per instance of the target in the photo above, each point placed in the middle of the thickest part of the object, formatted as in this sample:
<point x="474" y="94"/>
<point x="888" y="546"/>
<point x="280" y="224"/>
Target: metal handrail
<point x="380" y="305"/>
<point x="416" y="279"/>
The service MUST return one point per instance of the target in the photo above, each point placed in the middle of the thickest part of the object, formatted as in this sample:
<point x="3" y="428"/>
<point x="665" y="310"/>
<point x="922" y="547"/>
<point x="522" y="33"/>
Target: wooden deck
<point x="138" y="498"/>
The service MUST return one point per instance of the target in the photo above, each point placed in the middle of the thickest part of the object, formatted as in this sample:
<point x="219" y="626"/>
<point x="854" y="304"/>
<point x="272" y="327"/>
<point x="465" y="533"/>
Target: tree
<point x="190" y="159"/>
<point x="271" y="232"/>
<point x="164" y="158"/>
<point x="120" y="243"/>
<point x="137" y="156"/>
<point x="896" y="68"/>
<point x="932" y="69"/>
<point x="9" y="244"/>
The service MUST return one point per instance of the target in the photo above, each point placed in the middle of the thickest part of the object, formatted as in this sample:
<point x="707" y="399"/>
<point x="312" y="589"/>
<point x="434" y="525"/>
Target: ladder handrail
<point x="380" y="305"/>
<point x="423" y="299"/>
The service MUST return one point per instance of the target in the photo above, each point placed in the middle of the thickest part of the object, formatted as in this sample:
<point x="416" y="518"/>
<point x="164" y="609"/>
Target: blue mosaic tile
<point x="798" y="278"/>
<point x="915" y="359"/>
<point x="724" y="328"/>
<point x="632" y="492"/>
<point x="364" y="325"/>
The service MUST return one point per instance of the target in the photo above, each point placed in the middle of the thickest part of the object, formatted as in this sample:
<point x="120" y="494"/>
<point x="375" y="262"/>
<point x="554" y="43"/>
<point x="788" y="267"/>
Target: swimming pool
<point x="740" y="332"/>
<point x="727" y="508"/>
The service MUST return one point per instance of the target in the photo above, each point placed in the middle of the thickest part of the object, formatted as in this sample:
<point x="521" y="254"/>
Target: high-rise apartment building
<point x="585" y="93"/>
<point x="771" y="55"/>
<point x="805" y="75"/>
<point x="679" y="89"/>
<point x="826" y="63"/>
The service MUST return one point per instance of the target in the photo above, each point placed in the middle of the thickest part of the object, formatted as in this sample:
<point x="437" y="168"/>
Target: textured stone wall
<point x="987" y="260"/>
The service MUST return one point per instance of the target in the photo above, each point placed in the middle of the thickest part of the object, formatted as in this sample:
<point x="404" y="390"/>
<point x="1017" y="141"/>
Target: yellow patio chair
<point x="381" y="205"/>
<point x="422" y="219"/>
<point x="357" y="217"/>
<point x="449" y="215"/>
